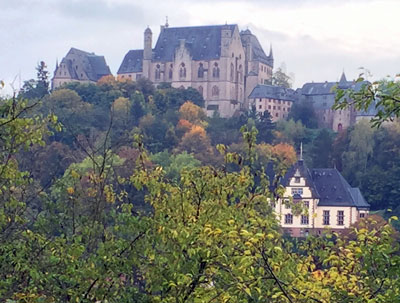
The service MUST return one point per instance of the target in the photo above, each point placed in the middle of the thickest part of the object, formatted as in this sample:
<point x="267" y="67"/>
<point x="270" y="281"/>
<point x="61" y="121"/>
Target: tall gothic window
<point x="200" y="71"/>
<point x="170" y="71"/>
<point x="215" y="70"/>
<point x="182" y="71"/>
<point x="157" y="72"/>
<point x="232" y="72"/>
<point x="215" y="91"/>
<point x="240" y="73"/>
<point x="200" y="90"/>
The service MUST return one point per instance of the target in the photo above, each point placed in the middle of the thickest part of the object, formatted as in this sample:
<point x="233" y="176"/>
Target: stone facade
<point x="328" y="201"/>
<point x="276" y="100"/>
<point x="322" y="96"/>
<point x="223" y="64"/>
<point x="79" y="66"/>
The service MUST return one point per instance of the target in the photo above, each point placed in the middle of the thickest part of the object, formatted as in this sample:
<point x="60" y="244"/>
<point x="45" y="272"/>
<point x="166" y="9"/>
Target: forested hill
<point x="121" y="192"/>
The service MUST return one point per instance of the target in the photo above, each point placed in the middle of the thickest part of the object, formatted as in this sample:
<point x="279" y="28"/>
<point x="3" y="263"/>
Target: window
<point x="212" y="107"/>
<point x="340" y="217"/>
<point x="200" y="71"/>
<point x="296" y="179"/>
<point x="276" y="115"/>
<point x="216" y="70"/>
<point x="232" y="72"/>
<point x="170" y="71"/>
<point x="274" y="107"/>
<point x="240" y="73"/>
<point x="138" y="76"/>
<point x="200" y="90"/>
<point x="362" y="215"/>
<point x="325" y="217"/>
<point x="269" y="106"/>
<point x="306" y="204"/>
<point x="304" y="219"/>
<point x="157" y="72"/>
<point x="260" y="106"/>
<point x="288" y="219"/>
<point x="182" y="71"/>
<point x="215" y="91"/>
<point x="297" y="191"/>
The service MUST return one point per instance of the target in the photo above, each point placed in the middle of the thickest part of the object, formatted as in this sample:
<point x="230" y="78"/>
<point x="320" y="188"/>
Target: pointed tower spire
<point x="301" y="151"/>
<point x="343" y="81"/>
<point x="56" y="63"/>
<point x="166" y="22"/>
<point x="271" y="55"/>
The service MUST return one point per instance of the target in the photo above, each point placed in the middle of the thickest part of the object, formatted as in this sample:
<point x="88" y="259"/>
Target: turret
<point x="271" y="56"/>
<point x="148" y="48"/>
<point x="226" y="37"/>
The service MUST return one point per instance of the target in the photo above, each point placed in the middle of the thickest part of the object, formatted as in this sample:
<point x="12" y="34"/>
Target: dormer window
<point x="296" y="179"/>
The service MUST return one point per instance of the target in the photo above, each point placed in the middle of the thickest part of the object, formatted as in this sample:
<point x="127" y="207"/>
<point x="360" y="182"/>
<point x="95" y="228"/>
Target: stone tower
<point x="147" y="52"/>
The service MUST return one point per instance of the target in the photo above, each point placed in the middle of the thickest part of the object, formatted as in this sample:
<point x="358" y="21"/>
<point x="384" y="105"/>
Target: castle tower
<point x="147" y="52"/>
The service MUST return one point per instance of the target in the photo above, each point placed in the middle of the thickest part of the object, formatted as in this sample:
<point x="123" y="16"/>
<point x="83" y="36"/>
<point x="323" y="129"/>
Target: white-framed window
<point x="288" y="219"/>
<point x="297" y="190"/>
<point x="304" y="220"/>
<point x="325" y="217"/>
<point x="340" y="217"/>
<point x="306" y="204"/>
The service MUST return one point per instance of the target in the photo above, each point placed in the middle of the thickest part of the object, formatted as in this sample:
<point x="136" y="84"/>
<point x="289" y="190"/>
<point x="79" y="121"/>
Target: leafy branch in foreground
<point x="382" y="97"/>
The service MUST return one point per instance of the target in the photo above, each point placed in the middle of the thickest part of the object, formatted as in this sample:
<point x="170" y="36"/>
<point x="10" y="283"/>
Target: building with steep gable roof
<point x="80" y="66"/>
<point x="217" y="60"/>
<point x="322" y="96"/>
<point x="327" y="201"/>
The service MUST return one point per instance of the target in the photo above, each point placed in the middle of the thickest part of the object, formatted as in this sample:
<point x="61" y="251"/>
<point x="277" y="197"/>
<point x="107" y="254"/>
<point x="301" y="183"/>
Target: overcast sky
<point x="316" y="39"/>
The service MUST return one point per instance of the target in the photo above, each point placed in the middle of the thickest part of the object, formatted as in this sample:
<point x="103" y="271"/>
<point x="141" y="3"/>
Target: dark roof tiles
<point x="273" y="92"/>
<point x="132" y="63"/>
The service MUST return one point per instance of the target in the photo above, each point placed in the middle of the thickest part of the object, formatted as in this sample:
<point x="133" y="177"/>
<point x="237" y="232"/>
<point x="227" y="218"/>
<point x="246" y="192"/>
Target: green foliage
<point x="174" y="164"/>
<point x="36" y="89"/>
<point x="304" y="111"/>
<point x="382" y="97"/>
<point x="279" y="78"/>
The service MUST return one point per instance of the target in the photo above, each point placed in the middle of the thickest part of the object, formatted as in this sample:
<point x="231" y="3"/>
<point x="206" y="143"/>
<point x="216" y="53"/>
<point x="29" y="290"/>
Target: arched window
<point x="157" y="72"/>
<point x="216" y="70"/>
<point x="170" y="71"/>
<point x="340" y="127"/>
<point x="182" y="71"/>
<point x="240" y="73"/>
<point x="200" y="89"/>
<point x="215" y="91"/>
<point x="232" y="72"/>
<point x="200" y="71"/>
<point x="240" y="93"/>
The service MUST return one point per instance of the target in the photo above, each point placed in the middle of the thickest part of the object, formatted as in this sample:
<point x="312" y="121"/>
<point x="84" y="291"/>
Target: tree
<point x="279" y="78"/>
<point x="37" y="89"/>
<point x="381" y="96"/>
<point x="321" y="149"/>
<point x="304" y="111"/>
<point x="360" y="149"/>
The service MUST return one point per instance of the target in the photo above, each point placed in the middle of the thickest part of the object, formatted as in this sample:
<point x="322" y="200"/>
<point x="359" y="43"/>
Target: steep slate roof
<point x="94" y="66"/>
<point x="132" y="63"/>
<point x="334" y="189"/>
<point x="326" y="88"/>
<point x="258" y="53"/>
<point x="273" y="92"/>
<point x="203" y="42"/>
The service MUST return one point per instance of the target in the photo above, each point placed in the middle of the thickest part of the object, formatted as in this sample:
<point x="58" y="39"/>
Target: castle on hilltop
<point x="223" y="64"/>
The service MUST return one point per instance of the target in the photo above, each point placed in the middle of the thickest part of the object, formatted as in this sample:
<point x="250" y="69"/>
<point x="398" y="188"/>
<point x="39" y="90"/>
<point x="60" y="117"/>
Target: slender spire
<point x="166" y="22"/>
<point x="343" y="77"/>
<point x="271" y="56"/>
<point x="56" y="63"/>
<point x="301" y="151"/>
